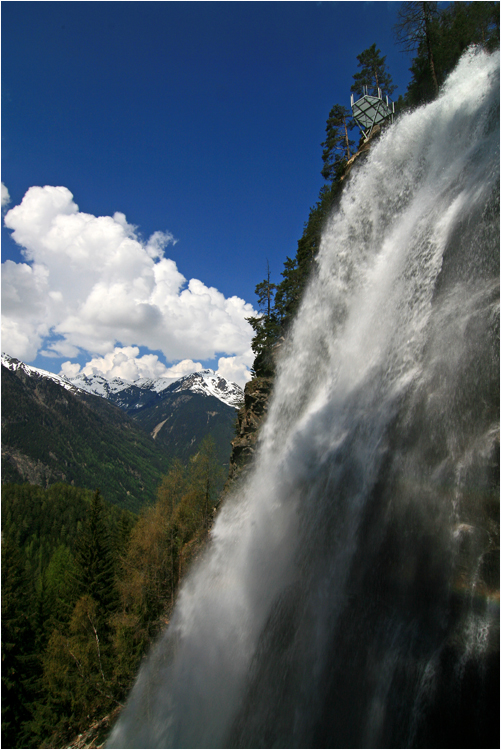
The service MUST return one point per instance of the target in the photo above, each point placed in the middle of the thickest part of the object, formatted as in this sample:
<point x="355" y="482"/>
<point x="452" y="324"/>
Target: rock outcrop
<point x="250" y="417"/>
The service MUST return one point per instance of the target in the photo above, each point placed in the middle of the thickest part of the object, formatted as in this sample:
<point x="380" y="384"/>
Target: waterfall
<point x="350" y="593"/>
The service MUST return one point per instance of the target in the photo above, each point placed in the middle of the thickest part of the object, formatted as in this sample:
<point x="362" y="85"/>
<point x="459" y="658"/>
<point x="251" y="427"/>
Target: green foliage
<point x="39" y="520"/>
<point x="19" y="667"/>
<point x="440" y="44"/>
<point x="180" y="422"/>
<point x="77" y="675"/>
<point x="271" y="328"/>
<point x="265" y="292"/>
<point x="373" y="74"/>
<point x="161" y="547"/>
<point x="206" y="478"/>
<point x="94" y="561"/>
<point x="337" y="145"/>
<point x="266" y="332"/>
<point x="53" y="435"/>
<point x="417" y="28"/>
<point x="266" y="326"/>
<point x="84" y="591"/>
<point x="60" y="590"/>
<point x="42" y="585"/>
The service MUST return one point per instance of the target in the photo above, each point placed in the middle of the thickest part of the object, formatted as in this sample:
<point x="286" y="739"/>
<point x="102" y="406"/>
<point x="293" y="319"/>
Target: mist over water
<point x="350" y="594"/>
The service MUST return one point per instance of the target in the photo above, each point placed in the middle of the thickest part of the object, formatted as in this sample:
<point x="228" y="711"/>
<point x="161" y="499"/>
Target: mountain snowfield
<point x="207" y="382"/>
<point x="15" y="364"/>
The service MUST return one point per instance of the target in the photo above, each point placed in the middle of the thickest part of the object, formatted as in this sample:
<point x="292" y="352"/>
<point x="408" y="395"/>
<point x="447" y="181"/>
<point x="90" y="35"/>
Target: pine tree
<point x="59" y="589"/>
<point x="373" y="74"/>
<point x="415" y="27"/>
<point x="207" y="475"/>
<point x="266" y="326"/>
<point x="94" y="558"/>
<point x="337" y="145"/>
<point x="20" y="669"/>
<point x="265" y="292"/>
<point x="449" y="33"/>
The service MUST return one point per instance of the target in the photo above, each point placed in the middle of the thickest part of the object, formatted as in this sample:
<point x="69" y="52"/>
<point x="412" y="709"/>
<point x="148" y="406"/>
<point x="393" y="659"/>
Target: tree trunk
<point x="428" y="46"/>
<point x="346" y="138"/>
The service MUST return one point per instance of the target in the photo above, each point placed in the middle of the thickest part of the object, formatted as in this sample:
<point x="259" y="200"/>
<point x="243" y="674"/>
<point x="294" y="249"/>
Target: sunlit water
<point x="350" y="595"/>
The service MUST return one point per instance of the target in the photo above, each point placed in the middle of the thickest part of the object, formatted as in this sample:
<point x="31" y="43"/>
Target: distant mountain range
<point x="140" y="393"/>
<point x="114" y="434"/>
<point x="130" y="395"/>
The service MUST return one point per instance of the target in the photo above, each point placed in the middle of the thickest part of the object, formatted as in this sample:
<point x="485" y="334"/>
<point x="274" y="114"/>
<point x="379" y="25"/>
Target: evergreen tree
<point x="59" y="589"/>
<point x="416" y="26"/>
<point x="452" y="31"/>
<point x="265" y="292"/>
<point x="266" y="327"/>
<point x="16" y="633"/>
<point x="337" y="145"/>
<point x="207" y="475"/>
<point x="462" y="24"/>
<point x="297" y="270"/>
<point x="94" y="558"/>
<point x="373" y="74"/>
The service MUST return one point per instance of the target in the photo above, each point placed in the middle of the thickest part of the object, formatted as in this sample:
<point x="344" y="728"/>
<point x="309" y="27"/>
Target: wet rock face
<point x="250" y="417"/>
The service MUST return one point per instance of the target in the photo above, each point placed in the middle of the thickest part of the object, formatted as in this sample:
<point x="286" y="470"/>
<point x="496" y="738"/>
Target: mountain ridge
<point x="57" y="429"/>
<point x="55" y="434"/>
<point x="207" y="382"/>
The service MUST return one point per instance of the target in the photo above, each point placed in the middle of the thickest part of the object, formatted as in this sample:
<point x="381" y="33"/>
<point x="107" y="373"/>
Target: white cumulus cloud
<point x="236" y="369"/>
<point x="90" y="283"/>
<point x="124" y="362"/>
<point x="5" y="196"/>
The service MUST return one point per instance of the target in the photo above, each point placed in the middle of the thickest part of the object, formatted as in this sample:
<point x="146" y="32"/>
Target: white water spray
<point x="346" y="599"/>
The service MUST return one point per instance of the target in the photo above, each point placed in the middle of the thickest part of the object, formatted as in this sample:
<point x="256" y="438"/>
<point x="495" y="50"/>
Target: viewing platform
<point x="371" y="110"/>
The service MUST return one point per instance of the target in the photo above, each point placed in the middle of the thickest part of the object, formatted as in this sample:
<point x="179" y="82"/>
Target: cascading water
<point x="350" y="595"/>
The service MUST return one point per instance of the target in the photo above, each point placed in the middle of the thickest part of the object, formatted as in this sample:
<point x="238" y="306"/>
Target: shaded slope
<point x="50" y="434"/>
<point x="180" y="421"/>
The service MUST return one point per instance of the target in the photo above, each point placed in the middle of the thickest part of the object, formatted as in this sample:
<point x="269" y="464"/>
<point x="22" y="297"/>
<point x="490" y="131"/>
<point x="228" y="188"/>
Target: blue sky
<point x="201" y="121"/>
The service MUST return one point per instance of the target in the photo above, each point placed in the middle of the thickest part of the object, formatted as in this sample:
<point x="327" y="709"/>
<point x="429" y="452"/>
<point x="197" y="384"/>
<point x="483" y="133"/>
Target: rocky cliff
<point x="250" y="417"/>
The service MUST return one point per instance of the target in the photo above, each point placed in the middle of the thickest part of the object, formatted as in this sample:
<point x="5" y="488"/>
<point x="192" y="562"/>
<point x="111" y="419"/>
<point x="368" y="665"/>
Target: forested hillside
<point x="85" y="588"/>
<point x="50" y="434"/>
<point x="179" y="422"/>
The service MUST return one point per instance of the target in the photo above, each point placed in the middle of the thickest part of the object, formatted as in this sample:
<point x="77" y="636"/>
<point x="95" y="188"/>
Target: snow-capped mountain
<point x="11" y="363"/>
<point x="209" y="382"/>
<point x="177" y="415"/>
<point x="53" y="431"/>
<point x="136" y="394"/>
<point x="100" y="386"/>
